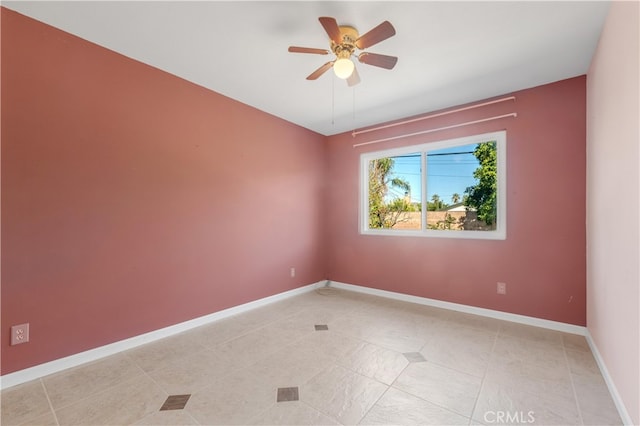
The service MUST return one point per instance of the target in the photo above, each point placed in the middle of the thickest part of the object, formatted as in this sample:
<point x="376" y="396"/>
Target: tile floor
<point x="332" y="357"/>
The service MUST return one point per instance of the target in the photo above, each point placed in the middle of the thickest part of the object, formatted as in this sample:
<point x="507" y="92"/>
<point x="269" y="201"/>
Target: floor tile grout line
<point x="250" y="330"/>
<point x="484" y="376"/>
<point x="186" y="410"/>
<point x="374" y="404"/>
<point x="396" y="379"/>
<point x="170" y="363"/>
<point x="566" y="365"/>
<point x="573" y="386"/>
<point x="373" y="378"/>
<point x="449" y="367"/>
<point x="44" y="388"/>
<point x="318" y="411"/>
<point x="333" y="364"/>
<point x="216" y="348"/>
<point x="167" y="394"/>
<point x="101" y="391"/>
<point x="392" y="385"/>
<point x="62" y="373"/>
<point x="432" y="402"/>
<point x="261" y="412"/>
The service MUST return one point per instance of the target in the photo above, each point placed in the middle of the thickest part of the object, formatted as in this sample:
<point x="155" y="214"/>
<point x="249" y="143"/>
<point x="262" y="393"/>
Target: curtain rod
<point x="357" y="132"/>
<point x="453" y="126"/>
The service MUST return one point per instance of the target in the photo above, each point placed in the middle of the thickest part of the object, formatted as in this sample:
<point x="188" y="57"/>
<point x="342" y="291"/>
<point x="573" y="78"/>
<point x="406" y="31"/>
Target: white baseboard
<point x="41" y="370"/>
<point x="38" y="371"/>
<point x="622" y="410"/>
<point x="506" y="316"/>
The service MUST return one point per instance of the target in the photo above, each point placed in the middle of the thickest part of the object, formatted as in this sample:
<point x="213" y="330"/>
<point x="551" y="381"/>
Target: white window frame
<point x="500" y="233"/>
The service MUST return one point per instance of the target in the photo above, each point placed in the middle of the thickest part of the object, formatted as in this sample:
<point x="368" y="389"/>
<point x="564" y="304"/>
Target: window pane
<point x="395" y="192"/>
<point x="462" y="187"/>
<point x="425" y="190"/>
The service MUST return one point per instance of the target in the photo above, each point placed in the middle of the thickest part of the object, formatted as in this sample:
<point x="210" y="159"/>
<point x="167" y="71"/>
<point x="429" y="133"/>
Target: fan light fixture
<point x="343" y="68"/>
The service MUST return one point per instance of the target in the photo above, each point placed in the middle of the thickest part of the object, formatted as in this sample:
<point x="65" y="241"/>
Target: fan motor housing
<point x="349" y="36"/>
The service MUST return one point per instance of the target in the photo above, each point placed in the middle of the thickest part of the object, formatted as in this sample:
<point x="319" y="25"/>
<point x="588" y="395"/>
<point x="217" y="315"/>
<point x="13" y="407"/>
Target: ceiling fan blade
<point x="354" y="78"/>
<point x="296" y="49"/>
<point x="376" y="35"/>
<point x="331" y="27"/>
<point x="317" y="73"/>
<point x="377" y="60"/>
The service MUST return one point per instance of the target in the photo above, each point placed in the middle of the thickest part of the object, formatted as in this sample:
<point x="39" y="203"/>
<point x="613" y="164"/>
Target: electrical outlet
<point x="502" y="288"/>
<point x="19" y="334"/>
<point x="293" y="272"/>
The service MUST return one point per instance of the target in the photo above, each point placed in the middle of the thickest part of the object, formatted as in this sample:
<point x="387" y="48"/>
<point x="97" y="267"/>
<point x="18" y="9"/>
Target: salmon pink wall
<point x="613" y="161"/>
<point x="543" y="258"/>
<point x="133" y="200"/>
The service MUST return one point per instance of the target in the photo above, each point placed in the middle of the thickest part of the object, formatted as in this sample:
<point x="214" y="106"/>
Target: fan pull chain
<point x="354" y="105"/>
<point x="333" y="99"/>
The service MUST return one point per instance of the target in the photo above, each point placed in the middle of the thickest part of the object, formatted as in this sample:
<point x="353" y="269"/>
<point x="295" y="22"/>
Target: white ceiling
<point x="449" y="52"/>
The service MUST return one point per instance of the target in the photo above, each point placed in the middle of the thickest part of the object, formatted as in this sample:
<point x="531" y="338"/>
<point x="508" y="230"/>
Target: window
<point x="453" y="188"/>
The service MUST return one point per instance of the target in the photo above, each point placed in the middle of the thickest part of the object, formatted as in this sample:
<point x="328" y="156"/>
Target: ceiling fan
<point x="344" y="41"/>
